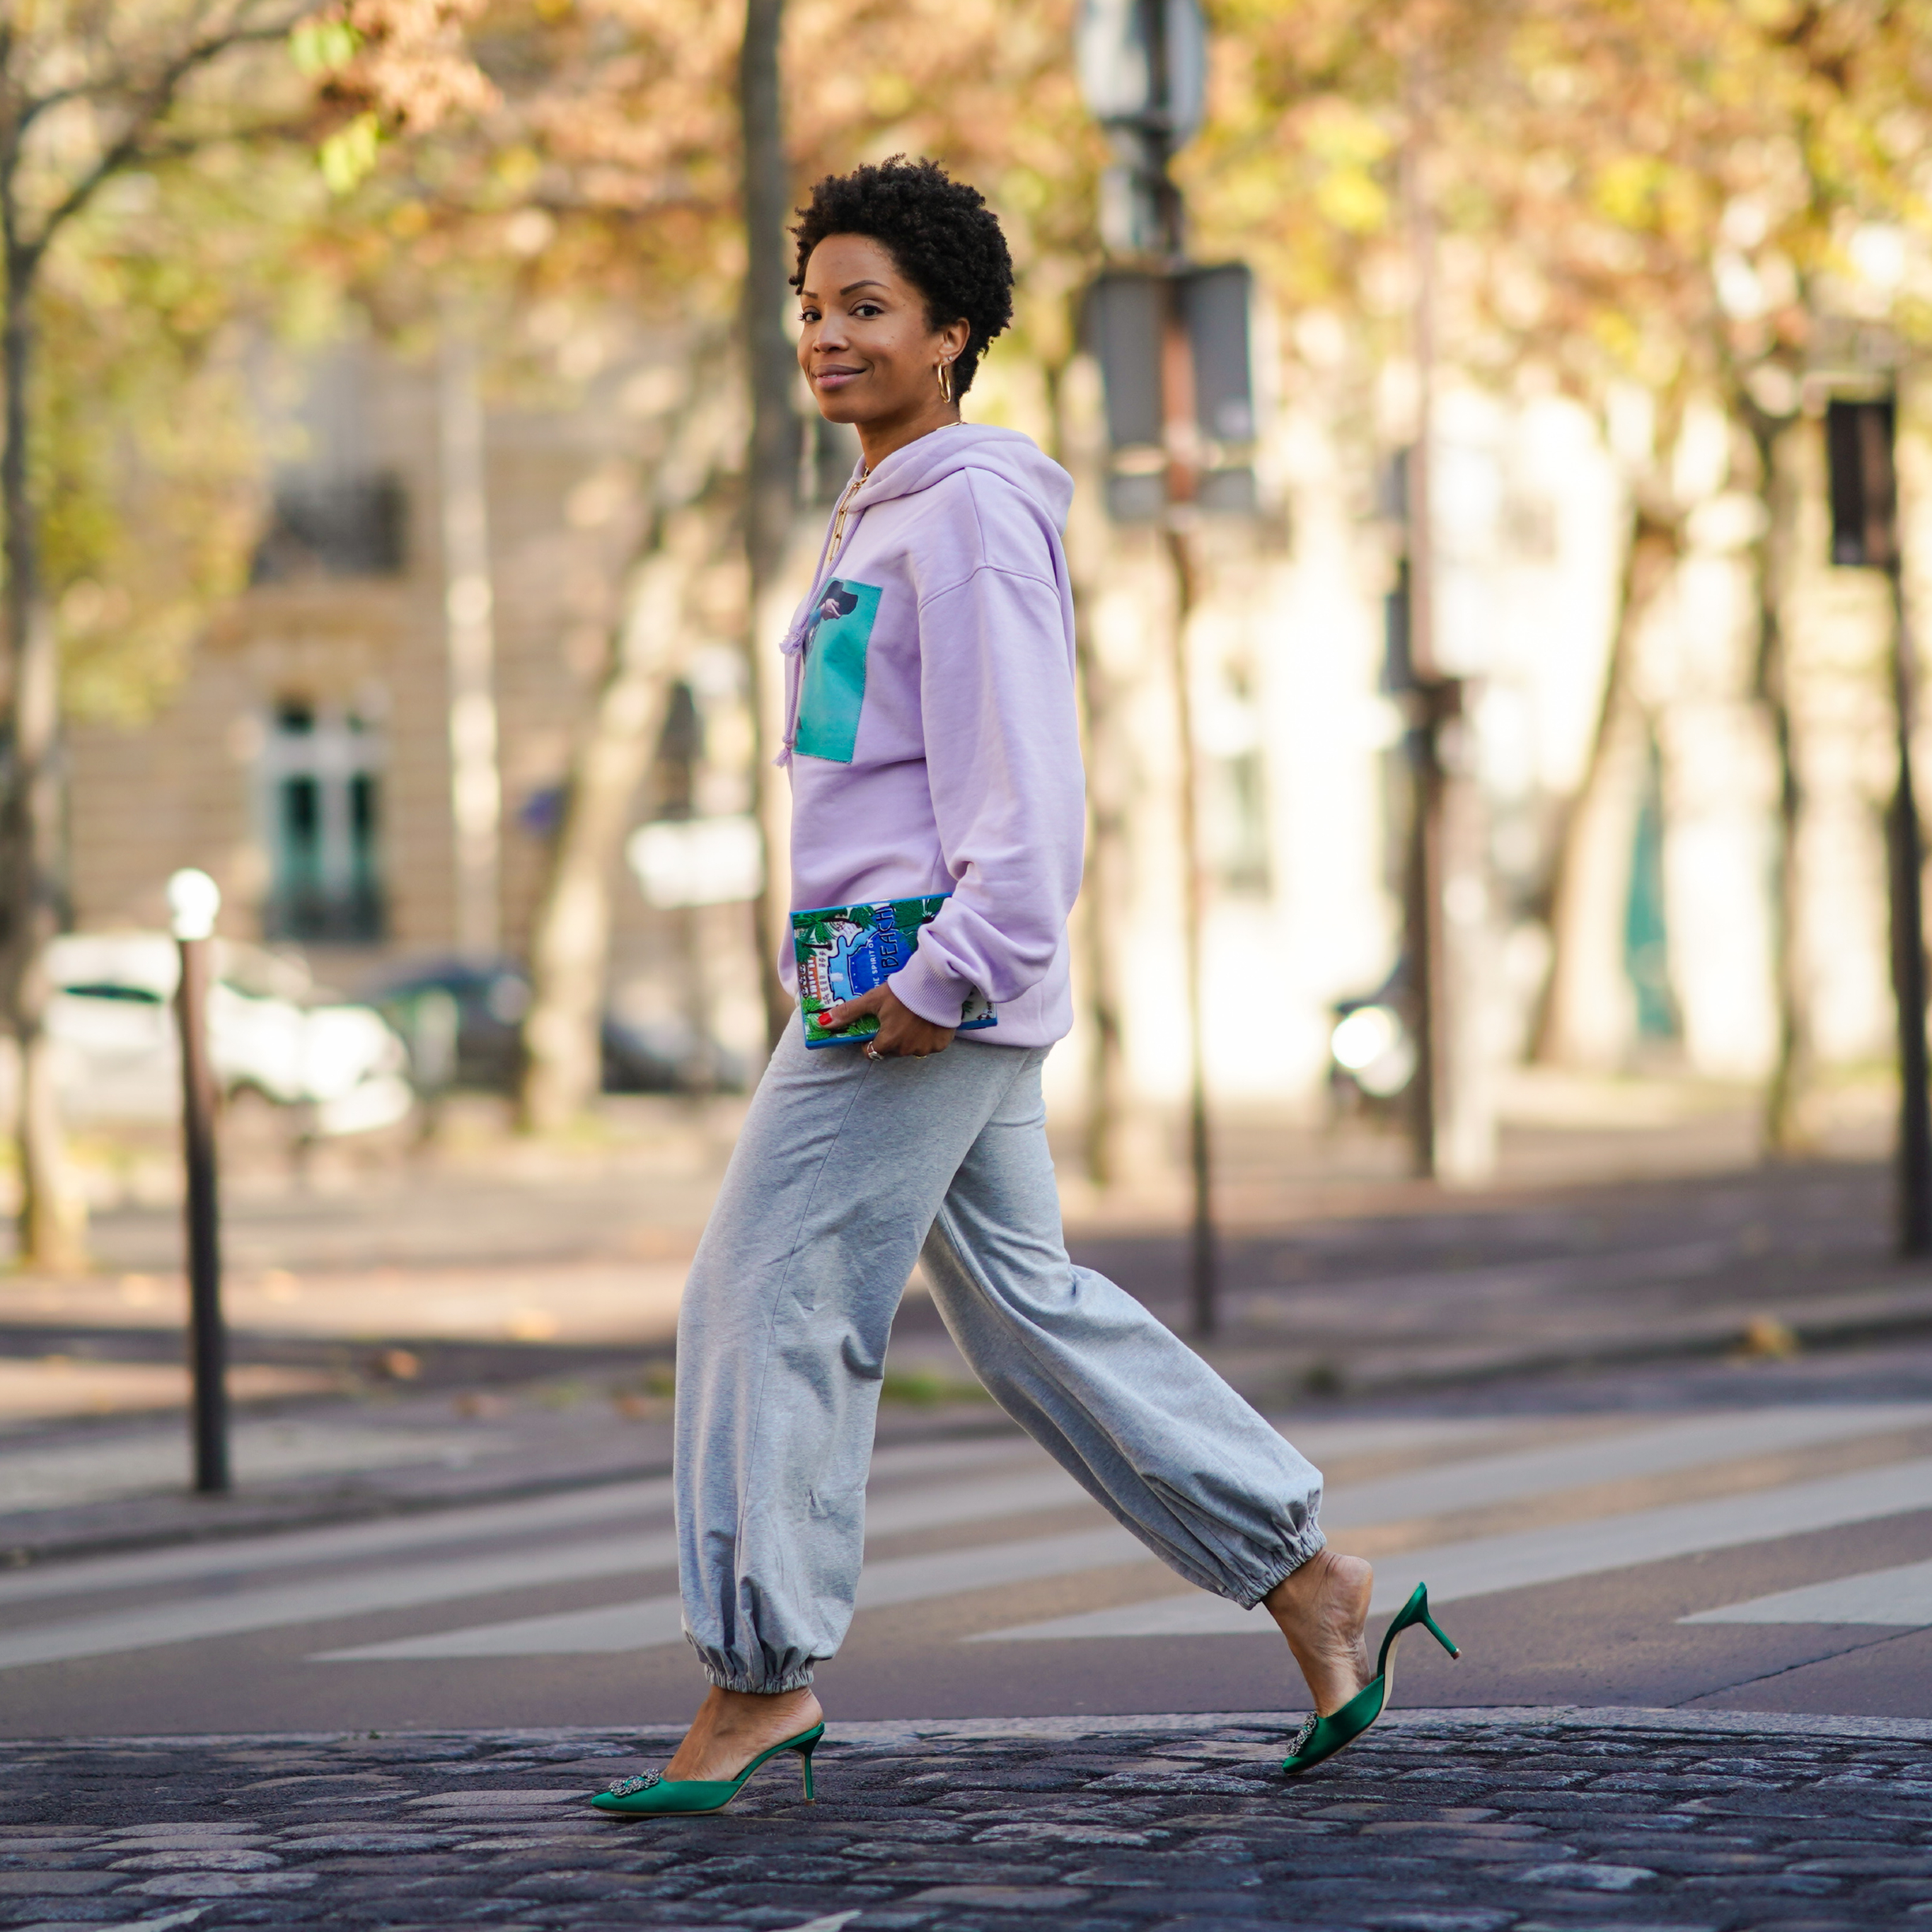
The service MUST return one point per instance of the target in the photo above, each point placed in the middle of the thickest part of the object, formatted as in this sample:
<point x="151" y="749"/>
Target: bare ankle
<point x="757" y="1710"/>
<point x="733" y="1727"/>
<point x="1302" y="1589"/>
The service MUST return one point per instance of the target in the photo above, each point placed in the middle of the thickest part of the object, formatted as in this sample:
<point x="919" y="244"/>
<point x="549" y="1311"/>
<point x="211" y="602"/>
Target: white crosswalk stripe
<point x="245" y="1556"/>
<point x="407" y="1535"/>
<point x="1664" y="1448"/>
<point x="399" y="1566"/>
<point x="1902" y="1595"/>
<point x="1484" y="1565"/>
<point x="323" y="1598"/>
<point x="1471" y="1568"/>
<point x="657" y="1620"/>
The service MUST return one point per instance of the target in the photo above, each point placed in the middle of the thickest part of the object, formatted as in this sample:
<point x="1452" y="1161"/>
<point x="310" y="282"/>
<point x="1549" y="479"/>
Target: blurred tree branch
<point x="89" y="93"/>
<point x="1660" y="193"/>
<point x="645" y="133"/>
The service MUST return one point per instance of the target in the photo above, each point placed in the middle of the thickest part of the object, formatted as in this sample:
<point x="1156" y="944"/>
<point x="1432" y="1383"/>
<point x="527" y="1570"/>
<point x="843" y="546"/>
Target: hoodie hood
<point x="1006" y="452"/>
<point x="1016" y="459"/>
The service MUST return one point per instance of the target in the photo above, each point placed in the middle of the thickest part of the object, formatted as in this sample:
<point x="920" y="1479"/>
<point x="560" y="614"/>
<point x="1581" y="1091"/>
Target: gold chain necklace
<point x="844" y="504"/>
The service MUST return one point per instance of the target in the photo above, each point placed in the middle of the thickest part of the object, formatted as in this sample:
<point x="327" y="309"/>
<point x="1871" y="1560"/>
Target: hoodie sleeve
<point x="1003" y="759"/>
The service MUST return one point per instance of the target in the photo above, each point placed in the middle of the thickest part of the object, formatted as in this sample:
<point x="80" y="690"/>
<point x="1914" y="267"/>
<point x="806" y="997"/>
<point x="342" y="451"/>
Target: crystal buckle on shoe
<point x="1301" y="1737"/>
<point x="629" y="1787"/>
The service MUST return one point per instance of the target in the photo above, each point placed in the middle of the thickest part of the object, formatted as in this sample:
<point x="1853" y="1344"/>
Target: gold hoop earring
<point x="946" y="380"/>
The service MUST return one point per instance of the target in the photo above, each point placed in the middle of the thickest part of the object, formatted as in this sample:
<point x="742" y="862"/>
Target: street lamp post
<point x="194" y="901"/>
<point x="1167" y="334"/>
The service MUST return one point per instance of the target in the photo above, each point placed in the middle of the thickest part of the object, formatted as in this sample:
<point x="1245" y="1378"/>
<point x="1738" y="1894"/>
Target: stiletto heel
<point x="1322" y="1738"/>
<point x="651" y="1793"/>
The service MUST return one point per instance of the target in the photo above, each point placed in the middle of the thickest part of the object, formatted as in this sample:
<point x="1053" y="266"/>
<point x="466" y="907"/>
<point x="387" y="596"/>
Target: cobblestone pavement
<point x="1529" y="1822"/>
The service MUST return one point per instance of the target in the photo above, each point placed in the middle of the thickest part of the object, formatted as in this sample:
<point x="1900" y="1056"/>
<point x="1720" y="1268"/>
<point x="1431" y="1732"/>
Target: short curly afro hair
<point x="945" y="239"/>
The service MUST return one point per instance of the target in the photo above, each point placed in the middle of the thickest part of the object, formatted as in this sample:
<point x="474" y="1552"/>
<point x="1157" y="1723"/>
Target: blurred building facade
<point x="1304" y="780"/>
<point x="306" y="759"/>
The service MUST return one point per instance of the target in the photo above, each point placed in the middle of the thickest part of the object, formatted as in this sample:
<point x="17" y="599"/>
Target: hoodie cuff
<point x="923" y="986"/>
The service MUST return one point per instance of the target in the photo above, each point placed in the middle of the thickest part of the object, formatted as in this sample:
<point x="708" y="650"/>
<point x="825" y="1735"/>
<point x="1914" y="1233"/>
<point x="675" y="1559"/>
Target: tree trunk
<point x="1105" y="830"/>
<point x="52" y="1225"/>
<point x="1783" y="1128"/>
<point x="1585" y="1020"/>
<point x="475" y="786"/>
<point x="570" y="939"/>
<point x="771" y="486"/>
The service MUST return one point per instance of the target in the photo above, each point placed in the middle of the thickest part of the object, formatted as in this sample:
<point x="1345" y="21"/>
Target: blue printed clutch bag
<point x="844" y="951"/>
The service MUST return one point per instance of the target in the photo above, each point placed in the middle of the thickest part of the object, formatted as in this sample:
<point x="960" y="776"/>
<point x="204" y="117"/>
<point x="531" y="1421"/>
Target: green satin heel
<point x="1322" y="1738"/>
<point x="650" y="1794"/>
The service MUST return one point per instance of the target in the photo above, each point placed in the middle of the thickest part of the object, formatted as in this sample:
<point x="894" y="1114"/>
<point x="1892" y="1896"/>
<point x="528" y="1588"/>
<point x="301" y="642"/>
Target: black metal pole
<point x="1178" y="412"/>
<point x="1908" y="954"/>
<point x="1203" y="1269"/>
<point x="1422" y="916"/>
<point x="208" y="1344"/>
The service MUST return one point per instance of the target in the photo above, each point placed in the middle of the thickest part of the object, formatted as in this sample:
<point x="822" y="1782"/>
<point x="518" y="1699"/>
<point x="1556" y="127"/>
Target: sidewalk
<point x="1445" y="1821"/>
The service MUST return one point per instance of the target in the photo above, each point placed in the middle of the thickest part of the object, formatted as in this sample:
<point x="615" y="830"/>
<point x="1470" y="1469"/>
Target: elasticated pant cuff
<point x="1311" y="1543"/>
<point x="793" y="1680"/>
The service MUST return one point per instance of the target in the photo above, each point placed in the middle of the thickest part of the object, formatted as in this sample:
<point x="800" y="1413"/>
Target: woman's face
<point x="864" y="343"/>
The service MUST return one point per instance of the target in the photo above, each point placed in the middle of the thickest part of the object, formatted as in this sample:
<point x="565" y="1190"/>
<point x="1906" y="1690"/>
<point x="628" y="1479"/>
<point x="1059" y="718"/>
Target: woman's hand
<point x="902" y="1034"/>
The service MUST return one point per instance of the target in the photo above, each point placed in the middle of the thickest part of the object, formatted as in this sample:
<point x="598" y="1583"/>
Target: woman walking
<point x="933" y="750"/>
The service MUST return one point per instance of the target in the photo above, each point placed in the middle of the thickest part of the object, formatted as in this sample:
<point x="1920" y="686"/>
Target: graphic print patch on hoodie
<point x="834" y="689"/>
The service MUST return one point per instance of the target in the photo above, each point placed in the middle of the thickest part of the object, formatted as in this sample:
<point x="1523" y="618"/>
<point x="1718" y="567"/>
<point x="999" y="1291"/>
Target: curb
<point x="1709" y="1343"/>
<point x="886" y="1733"/>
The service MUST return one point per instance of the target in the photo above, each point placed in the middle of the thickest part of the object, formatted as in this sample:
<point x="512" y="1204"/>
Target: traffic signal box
<point x="1864" y="485"/>
<point x="1175" y="364"/>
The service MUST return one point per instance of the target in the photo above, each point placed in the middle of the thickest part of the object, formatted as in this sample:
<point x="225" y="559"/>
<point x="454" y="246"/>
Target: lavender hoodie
<point x="932" y="739"/>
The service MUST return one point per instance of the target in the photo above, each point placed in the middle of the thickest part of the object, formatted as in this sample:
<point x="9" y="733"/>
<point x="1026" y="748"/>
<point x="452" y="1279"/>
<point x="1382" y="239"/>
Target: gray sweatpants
<point x="847" y="1171"/>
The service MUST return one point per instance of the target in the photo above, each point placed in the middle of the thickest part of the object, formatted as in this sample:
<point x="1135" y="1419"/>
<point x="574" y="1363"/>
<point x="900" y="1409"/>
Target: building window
<point x="339" y="508"/>
<point x="321" y="774"/>
<point x="1238" y="808"/>
<point x="334" y="526"/>
<point x="1646" y="932"/>
<point x="1234" y="800"/>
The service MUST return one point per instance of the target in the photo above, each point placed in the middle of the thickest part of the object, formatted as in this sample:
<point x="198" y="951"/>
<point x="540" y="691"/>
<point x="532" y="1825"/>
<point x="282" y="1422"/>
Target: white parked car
<point x="112" y="1020"/>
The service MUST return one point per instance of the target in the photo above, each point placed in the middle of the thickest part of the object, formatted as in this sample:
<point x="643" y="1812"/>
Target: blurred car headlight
<point x="1373" y="1045"/>
<point x="1364" y="1037"/>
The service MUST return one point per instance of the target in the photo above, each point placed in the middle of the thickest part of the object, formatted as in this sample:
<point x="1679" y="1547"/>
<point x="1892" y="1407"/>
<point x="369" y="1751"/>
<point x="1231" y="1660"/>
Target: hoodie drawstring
<point x="793" y="644"/>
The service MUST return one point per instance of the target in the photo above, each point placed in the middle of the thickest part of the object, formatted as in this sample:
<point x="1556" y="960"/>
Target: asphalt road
<point x="1714" y="1541"/>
